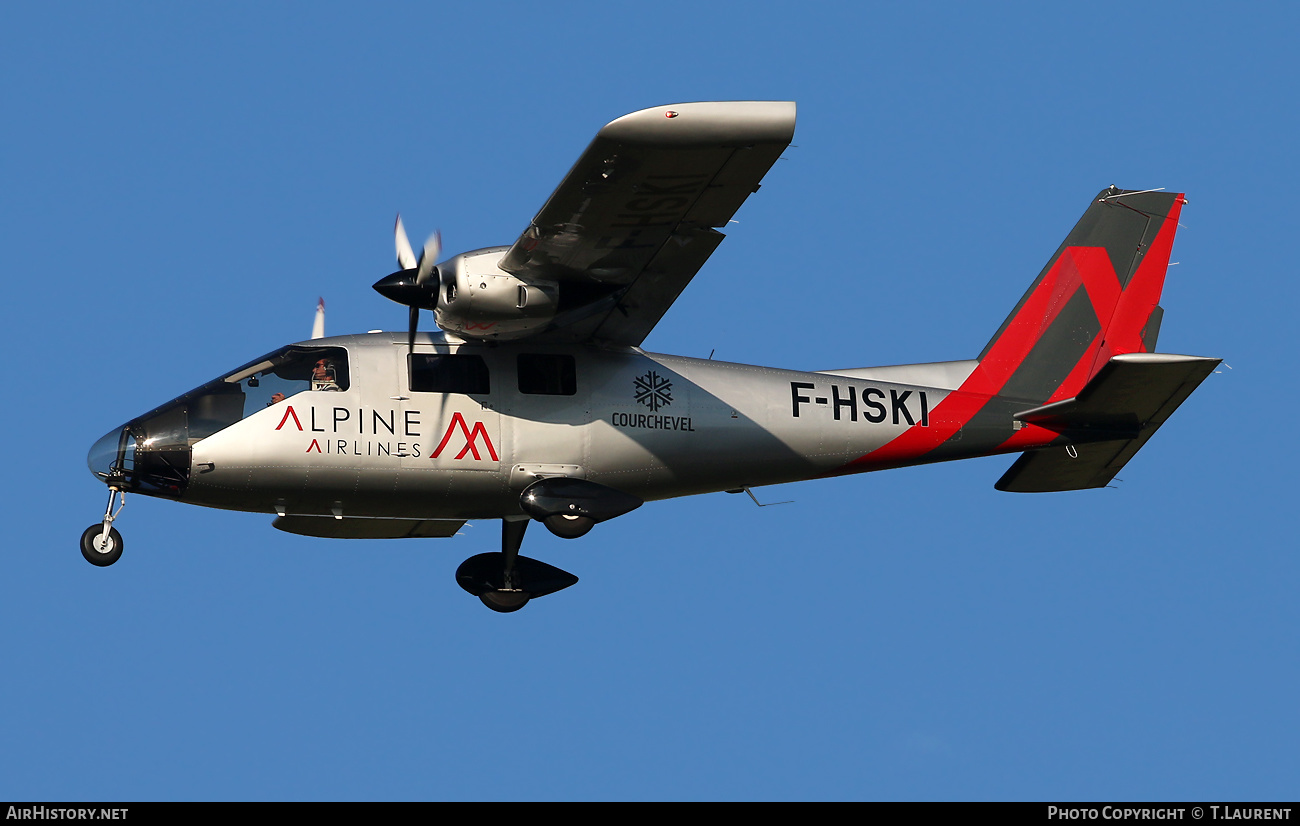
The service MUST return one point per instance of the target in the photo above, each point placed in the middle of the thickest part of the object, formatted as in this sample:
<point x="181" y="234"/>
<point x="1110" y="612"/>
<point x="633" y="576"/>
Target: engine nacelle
<point x="477" y="299"/>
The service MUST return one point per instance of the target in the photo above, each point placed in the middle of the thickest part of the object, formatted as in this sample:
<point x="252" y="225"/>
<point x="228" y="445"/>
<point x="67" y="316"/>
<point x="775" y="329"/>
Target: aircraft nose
<point x="105" y="455"/>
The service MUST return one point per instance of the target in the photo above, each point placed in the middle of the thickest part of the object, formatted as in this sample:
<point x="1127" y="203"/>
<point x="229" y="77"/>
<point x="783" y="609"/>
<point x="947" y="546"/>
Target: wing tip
<point x="707" y="122"/>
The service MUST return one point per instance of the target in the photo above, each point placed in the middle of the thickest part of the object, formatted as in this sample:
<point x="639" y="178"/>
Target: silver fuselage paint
<point x="651" y="425"/>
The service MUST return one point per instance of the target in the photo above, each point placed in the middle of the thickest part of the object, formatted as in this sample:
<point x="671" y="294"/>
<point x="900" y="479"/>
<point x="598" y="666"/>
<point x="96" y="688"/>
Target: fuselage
<point x="455" y="430"/>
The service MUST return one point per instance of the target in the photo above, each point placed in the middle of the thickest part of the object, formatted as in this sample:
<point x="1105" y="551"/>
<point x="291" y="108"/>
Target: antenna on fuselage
<point x="746" y="489"/>
<point x="318" y="326"/>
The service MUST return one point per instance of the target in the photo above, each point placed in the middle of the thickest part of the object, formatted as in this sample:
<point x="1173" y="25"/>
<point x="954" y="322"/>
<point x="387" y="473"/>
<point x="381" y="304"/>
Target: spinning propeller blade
<point x="405" y="255"/>
<point x="432" y="249"/>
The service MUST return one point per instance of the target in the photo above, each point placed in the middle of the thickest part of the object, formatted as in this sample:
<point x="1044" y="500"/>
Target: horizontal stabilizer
<point x="1107" y="423"/>
<point x="329" y="527"/>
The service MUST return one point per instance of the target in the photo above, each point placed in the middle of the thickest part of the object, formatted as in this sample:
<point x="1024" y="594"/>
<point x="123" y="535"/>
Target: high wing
<point x="636" y="216"/>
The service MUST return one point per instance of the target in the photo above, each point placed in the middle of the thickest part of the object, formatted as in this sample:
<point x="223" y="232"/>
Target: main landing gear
<point x="506" y="581"/>
<point x="569" y="508"/>
<point x="101" y="544"/>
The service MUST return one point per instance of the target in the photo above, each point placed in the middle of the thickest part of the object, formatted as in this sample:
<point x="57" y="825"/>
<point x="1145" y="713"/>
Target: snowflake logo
<point x="653" y="390"/>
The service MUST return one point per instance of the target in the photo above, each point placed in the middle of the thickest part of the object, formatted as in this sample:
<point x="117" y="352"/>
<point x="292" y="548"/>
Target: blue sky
<point x="181" y="183"/>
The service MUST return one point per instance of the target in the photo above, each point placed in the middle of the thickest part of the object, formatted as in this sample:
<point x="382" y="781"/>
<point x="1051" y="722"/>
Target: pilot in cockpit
<point x="323" y="375"/>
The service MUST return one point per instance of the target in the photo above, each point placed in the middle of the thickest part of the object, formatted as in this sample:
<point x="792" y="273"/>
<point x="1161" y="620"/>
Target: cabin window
<point x="448" y="373"/>
<point x="547" y="375"/>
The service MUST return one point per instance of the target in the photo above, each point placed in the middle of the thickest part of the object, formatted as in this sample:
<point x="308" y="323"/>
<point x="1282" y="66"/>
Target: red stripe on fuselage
<point x="1089" y="268"/>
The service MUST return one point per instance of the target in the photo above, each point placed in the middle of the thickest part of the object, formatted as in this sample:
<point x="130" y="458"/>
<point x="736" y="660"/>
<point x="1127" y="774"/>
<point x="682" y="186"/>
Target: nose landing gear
<point x="101" y="544"/>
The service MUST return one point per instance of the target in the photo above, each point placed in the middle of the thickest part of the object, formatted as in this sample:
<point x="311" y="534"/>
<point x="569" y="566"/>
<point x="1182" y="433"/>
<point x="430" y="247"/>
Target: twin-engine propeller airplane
<point x="535" y="401"/>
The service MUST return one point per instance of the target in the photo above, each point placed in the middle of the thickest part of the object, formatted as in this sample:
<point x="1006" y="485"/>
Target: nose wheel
<point x="101" y="544"/>
<point x="100" y="549"/>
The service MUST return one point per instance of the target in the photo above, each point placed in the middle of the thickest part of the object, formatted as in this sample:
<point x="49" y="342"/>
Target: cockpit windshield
<point x="152" y="452"/>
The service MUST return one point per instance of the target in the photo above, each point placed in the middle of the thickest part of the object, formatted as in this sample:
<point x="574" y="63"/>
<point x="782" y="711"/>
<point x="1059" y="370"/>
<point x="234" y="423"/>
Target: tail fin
<point x="1096" y="298"/>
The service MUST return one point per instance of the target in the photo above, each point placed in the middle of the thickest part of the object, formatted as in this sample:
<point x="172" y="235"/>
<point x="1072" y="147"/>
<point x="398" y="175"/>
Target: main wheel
<point x="504" y="602"/>
<point x="100" y="550"/>
<point x="568" y="527"/>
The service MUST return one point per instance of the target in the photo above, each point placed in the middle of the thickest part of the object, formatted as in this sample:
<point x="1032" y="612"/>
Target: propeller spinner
<point x="414" y="284"/>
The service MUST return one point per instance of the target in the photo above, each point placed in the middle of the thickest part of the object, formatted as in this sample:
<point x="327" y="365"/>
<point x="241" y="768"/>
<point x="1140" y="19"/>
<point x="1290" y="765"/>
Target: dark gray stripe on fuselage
<point x="987" y="429"/>
<point x="1056" y="352"/>
<point x="1052" y="358"/>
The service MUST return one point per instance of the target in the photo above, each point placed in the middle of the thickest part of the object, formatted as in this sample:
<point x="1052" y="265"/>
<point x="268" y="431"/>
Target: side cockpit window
<point x="288" y="372"/>
<point x="449" y="373"/>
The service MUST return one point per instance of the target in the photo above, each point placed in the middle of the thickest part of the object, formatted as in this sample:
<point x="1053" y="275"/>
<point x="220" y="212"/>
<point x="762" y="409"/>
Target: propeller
<point x="410" y="285"/>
